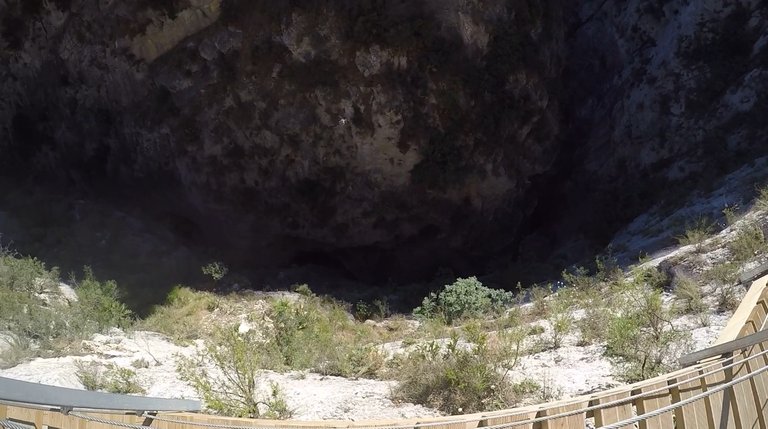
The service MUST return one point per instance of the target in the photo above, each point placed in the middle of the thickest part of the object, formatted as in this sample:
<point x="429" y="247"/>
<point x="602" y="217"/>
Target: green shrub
<point x="748" y="243"/>
<point x="99" y="302"/>
<point x="40" y="320"/>
<point x="464" y="298"/>
<point x="376" y="310"/>
<point x="652" y="277"/>
<point x="561" y="318"/>
<point x="317" y="334"/>
<point x="731" y="213"/>
<point x="593" y="327"/>
<point x="725" y="277"/>
<point x="25" y="274"/>
<point x="276" y="404"/>
<point x="182" y="316"/>
<point x="642" y="336"/>
<point x="216" y="270"/>
<point x="579" y="278"/>
<point x="302" y="289"/>
<point x="696" y="232"/>
<point x="539" y="294"/>
<point x="459" y="378"/>
<point x="107" y="378"/>
<point x="688" y="292"/>
<point x="233" y="389"/>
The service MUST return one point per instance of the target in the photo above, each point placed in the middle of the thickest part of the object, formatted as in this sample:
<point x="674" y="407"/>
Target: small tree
<point x="231" y="386"/>
<point x="464" y="298"/>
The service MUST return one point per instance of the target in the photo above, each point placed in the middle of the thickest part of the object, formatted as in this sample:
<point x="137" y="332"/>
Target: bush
<point x="460" y="377"/>
<point x="216" y="270"/>
<point x="724" y="277"/>
<point x="643" y="337"/>
<point x="25" y="274"/>
<point x="99" y="302"/>
<point x="376" y="310"/>
<point x="696" y="232"/>
<point x="593" y="327"/>
<point x="464" y="298"/>
<point x="688" y="292"/>
<point x="579" y="278"/>
<point x="748" y="243"/>
<point x="39" y="320"/>
<point x="317" y="334"/>
<point x="539" y="294"/>
<point x="560" y="318"/>
<point x="232" y="387"/>
<point x="182" y="316"/>
<point x="107" y="378"/>
<point x="732" y="213"/>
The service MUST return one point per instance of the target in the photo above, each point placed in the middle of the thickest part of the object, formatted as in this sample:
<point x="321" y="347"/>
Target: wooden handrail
<point x="724" y="348"/>
<point x="22" y="392"/>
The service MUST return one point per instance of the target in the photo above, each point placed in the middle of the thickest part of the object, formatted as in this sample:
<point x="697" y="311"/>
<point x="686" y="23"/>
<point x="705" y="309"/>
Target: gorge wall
<point x="386" y="138"/>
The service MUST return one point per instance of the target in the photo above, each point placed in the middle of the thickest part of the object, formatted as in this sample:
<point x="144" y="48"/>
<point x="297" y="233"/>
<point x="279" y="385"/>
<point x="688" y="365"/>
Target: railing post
<point x="654" y="402"/>
<point x="719" y="411"/>
<point x="616" y="413"/>
<point x="694" y="415"/>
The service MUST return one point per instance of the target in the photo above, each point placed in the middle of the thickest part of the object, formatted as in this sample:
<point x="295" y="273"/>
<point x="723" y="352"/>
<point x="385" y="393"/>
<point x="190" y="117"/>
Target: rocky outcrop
<point x="671" y="94"/>
<point x="385" y="134"/>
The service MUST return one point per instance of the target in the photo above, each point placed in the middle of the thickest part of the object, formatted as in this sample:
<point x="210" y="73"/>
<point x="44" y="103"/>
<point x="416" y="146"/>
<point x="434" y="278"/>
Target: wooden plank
<point x="724" y="348"/>
<point x="471" y="421"/>
<point x="615" y="413"/>
<point x="499" y="418"/>
<point x="160" y="424"/>
<point x="576" y="421"/>
<point x="57" y="420"/>
<point x="720" y="405"/>
<point x="753" y="413"/>
<point x="756" y="320"/>
<point x="654" y="402"/>
<point x="3" y="411"/>
<point x="741" y="315"/>
<point x="693" y="415"/>
<point x="26" y="415"/>
<point x="747" y="396"/>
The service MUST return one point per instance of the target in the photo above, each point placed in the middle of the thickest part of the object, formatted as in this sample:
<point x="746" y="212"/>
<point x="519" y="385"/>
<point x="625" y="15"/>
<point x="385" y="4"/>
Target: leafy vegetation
<point x="462" y="299"/>
<point x="748" y="243"/>
<point x="182" y="318"/>
<point x="232" y="389"/>
<point x="641" y="334"/>
<point x="696" y="232"/>
<point x="40" y="321"/>
<point x="100" y="302"/>
<point x="466" y="374"/>
<point x="108" y="378"/>
<point x="724" y="277"/>
<point x="689" y="294"/>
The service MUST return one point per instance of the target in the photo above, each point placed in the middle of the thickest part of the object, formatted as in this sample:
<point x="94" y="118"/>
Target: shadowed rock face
<point x="386" y="134"/>
<point x="385" y="138"/>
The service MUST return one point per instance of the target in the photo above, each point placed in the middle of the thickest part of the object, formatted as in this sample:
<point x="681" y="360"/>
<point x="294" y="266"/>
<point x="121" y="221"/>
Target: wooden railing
<point x="725" y="386"/>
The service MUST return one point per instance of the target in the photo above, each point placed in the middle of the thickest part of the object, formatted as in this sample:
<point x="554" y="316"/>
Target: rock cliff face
<point x="373" y="131"/>
<point x="381" y="136"/>
<point x="669" y="93"/>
